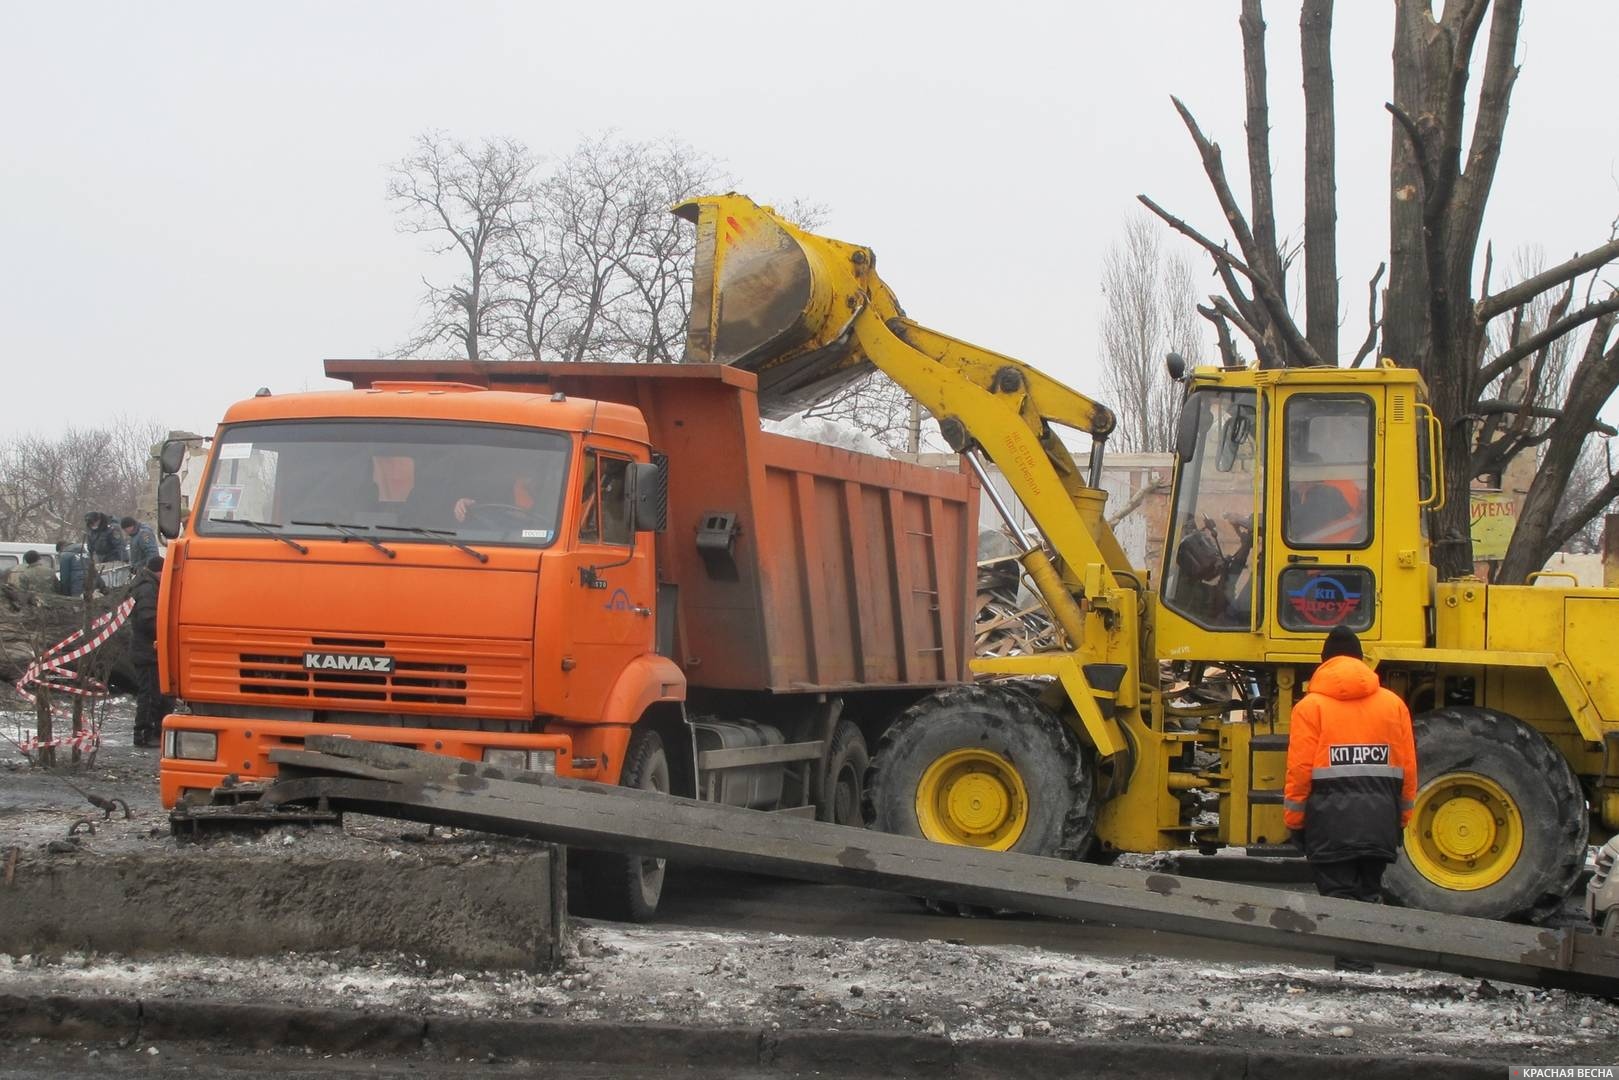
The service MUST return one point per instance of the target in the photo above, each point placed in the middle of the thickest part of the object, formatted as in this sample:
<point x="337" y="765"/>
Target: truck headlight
<point x="191" y="745"/>
<point x="531" y="760"/>
<point x="506" y="759"/>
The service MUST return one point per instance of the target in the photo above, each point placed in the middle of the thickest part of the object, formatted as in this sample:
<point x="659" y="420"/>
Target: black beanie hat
<point x="1341" y="642"/>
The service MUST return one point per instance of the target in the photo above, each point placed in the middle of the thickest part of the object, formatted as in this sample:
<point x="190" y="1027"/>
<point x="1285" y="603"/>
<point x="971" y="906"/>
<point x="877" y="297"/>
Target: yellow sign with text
<point x="1494" y="516"/>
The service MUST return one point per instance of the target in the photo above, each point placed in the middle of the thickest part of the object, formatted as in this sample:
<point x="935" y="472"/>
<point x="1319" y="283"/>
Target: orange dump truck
<point x="604" y="571"/>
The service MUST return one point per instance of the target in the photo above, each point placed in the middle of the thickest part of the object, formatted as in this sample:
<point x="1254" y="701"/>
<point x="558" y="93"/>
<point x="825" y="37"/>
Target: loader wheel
<point x="627" y="887"/>
<point x="1499" y="827"/>
<point x="847" y="762"/>
<point x="984" y="767"/>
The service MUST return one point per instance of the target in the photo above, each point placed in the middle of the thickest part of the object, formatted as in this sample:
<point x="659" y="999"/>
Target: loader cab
<point x="1298" y="506"/>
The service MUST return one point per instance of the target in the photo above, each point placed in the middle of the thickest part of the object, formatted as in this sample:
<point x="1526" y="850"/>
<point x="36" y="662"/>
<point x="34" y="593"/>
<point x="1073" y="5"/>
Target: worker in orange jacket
<point x="1351" y="773"/>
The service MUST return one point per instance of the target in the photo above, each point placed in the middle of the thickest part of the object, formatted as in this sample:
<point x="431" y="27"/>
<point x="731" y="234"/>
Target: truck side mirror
<point x="647" y="494"/>
<point x="168" y="502"/>
<point x="172" y="456"/>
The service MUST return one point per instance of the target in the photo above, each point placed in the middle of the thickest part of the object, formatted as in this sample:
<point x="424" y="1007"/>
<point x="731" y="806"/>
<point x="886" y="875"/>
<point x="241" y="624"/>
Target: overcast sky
<point x="194" y="193"/>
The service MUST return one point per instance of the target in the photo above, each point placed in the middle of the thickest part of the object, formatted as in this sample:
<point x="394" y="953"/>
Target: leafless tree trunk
<point x="1149" y="309"/>
<point x="1320" y="181"/>
<point x="465" y="197"/>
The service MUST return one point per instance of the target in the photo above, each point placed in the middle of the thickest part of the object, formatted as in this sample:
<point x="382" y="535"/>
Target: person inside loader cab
<point x="1351" y="775"/>
<point x="1210" y="585"/>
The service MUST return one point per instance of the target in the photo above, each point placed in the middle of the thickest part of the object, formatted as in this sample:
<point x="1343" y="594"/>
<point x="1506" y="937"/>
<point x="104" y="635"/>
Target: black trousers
<point x="1351" y="879"/>
<point x="150" y="703"/>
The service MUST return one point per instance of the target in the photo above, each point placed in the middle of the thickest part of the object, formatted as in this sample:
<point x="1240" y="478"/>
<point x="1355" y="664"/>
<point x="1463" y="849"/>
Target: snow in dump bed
<point x="680" y="976"/>
<point x="827" y="432"/>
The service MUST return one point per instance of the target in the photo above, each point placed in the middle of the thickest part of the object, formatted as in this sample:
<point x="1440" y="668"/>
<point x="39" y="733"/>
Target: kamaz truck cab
<point x="399" y="554"/>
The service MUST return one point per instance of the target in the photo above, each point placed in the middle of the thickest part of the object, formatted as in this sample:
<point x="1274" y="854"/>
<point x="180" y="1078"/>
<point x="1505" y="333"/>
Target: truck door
<point x="609" y="587"/>
<point x="1325" y="559"/>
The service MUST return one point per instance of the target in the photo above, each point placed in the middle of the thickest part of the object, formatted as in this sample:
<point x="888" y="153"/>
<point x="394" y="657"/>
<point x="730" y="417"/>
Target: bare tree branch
<point x="1267" y="291"/>
<point x="1373" y="323"/>
<point x="1507" y="299"/>
<point x="1492" y="371"/>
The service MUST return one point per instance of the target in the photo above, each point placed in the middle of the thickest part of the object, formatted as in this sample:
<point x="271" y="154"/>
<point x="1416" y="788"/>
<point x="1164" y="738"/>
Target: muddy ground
<point x="675" y="974"/>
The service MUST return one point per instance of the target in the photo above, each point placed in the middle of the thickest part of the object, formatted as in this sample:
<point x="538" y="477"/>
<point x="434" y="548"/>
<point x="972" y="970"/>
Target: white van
<point x="11" y="554"/>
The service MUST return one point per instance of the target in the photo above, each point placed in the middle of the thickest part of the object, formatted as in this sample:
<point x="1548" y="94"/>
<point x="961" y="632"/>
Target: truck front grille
<point x="489" y="678"/>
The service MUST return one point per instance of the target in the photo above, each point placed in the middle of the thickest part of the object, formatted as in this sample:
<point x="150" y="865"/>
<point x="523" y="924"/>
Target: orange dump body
<point x="786" y="567"/>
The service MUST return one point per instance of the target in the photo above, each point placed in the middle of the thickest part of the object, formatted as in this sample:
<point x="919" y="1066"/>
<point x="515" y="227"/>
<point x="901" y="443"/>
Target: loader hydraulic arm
<point x="808" y="314"/>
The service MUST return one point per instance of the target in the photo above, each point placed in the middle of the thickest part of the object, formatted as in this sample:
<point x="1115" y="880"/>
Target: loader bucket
<point x="773" y="300"/>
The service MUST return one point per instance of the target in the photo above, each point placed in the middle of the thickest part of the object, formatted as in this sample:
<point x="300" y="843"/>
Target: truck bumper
<point x="242" y="747"/>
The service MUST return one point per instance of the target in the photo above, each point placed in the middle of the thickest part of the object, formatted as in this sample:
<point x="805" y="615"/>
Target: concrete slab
<point x="500" y="908"/>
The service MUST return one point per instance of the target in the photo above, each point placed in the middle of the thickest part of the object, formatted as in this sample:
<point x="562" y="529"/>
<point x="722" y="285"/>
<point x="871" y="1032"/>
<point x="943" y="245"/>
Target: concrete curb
<point x="267" y="1026"/>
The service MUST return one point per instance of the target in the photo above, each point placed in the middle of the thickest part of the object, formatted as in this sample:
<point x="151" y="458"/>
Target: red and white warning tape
<point x="51" y="668"/>
<point x="86" y="740"/>
<point x="51" y="671"/>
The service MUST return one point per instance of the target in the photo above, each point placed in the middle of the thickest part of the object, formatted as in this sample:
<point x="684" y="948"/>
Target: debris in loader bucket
<point x="761" y="302"/>
<point x="392" y="782"/>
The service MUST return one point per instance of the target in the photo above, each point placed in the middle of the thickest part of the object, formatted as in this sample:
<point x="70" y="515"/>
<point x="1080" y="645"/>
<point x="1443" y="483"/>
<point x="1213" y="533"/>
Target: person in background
<point x="142" y="542"/>
<point x="33" y="574"/>
<point x="150" y="703"/>
<point x="1351" y="776"/>
<point x="69" y="568"/>
<point x="103" y="542"/>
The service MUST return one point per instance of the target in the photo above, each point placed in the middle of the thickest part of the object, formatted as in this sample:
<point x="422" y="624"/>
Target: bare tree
<point x="1437" y="312"/>
<point x="1149" y="309"/>
<point x="48" y="483"/>
<point x="465" y="197"/>
<point x="875" y="405"/>
<point x="593" y="266"/>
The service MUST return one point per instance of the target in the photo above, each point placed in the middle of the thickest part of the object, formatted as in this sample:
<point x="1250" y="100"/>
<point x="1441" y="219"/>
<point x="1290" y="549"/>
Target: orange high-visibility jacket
<point x="1351" y="764"/>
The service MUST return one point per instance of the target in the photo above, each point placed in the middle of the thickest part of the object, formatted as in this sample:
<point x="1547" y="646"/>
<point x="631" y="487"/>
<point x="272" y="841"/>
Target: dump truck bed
<point x="798" y="566"/>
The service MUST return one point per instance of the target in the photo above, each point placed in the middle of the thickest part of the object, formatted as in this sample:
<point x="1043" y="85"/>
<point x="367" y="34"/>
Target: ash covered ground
<point x="673" y="974"/>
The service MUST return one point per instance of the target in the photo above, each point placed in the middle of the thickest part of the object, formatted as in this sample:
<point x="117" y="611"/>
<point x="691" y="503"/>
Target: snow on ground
<point x="673" y="975"/>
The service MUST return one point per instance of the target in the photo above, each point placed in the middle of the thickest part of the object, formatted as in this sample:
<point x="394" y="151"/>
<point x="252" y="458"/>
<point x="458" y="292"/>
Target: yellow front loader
<point x="1299" y="504"/>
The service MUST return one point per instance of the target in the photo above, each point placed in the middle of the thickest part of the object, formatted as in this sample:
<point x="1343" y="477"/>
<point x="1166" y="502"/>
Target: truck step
<point x="742" y="757"/>
<point x="1268" y="744"/>
<point x="1266" y="796"/>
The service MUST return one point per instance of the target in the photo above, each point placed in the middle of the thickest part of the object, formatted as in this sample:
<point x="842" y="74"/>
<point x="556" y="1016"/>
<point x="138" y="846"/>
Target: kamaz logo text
<point x="1358" y="754"/>
<point x="325" y="661"/>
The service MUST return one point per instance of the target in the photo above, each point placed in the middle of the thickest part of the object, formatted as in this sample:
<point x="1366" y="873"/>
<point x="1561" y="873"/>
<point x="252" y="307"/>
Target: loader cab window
<point x="1327" y="463"/>
<point x="1209" y="560"/>
<point x="605" y="517"/>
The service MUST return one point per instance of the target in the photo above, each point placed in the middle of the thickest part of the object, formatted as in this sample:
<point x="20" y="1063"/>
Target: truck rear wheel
<point x="984" y="767"/>
<point x="847" y="762"/>
<point x="627" y="887"/>
<point x="1498" y="830"/>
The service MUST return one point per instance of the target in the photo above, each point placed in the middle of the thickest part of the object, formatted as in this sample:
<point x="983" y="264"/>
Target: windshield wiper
<point x="350" y="532"/>
<point x="443" y="536"/>
<point x="268" y="528"/>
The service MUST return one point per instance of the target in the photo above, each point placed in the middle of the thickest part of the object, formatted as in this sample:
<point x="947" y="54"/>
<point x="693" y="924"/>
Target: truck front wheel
<point x="1498" y="829"/>
<point x="627" y="887"/>
<point x="987" y="767"/>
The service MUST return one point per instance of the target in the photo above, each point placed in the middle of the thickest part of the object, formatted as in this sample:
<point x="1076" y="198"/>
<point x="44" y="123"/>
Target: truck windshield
<point x="476" y="483"/>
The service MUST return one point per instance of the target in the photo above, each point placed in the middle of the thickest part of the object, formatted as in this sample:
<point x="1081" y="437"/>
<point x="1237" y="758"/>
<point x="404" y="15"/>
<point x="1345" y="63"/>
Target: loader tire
<point x="1499" y="827"/>
<point x="847" y="762"/>
<point x="984" y="766"/>
<point x="627" y="887"/>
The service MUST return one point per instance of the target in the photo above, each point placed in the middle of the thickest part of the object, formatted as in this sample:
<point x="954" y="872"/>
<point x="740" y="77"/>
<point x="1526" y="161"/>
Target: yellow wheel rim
<point x="974" y="798"/>
<point x="1465" y="832"/>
